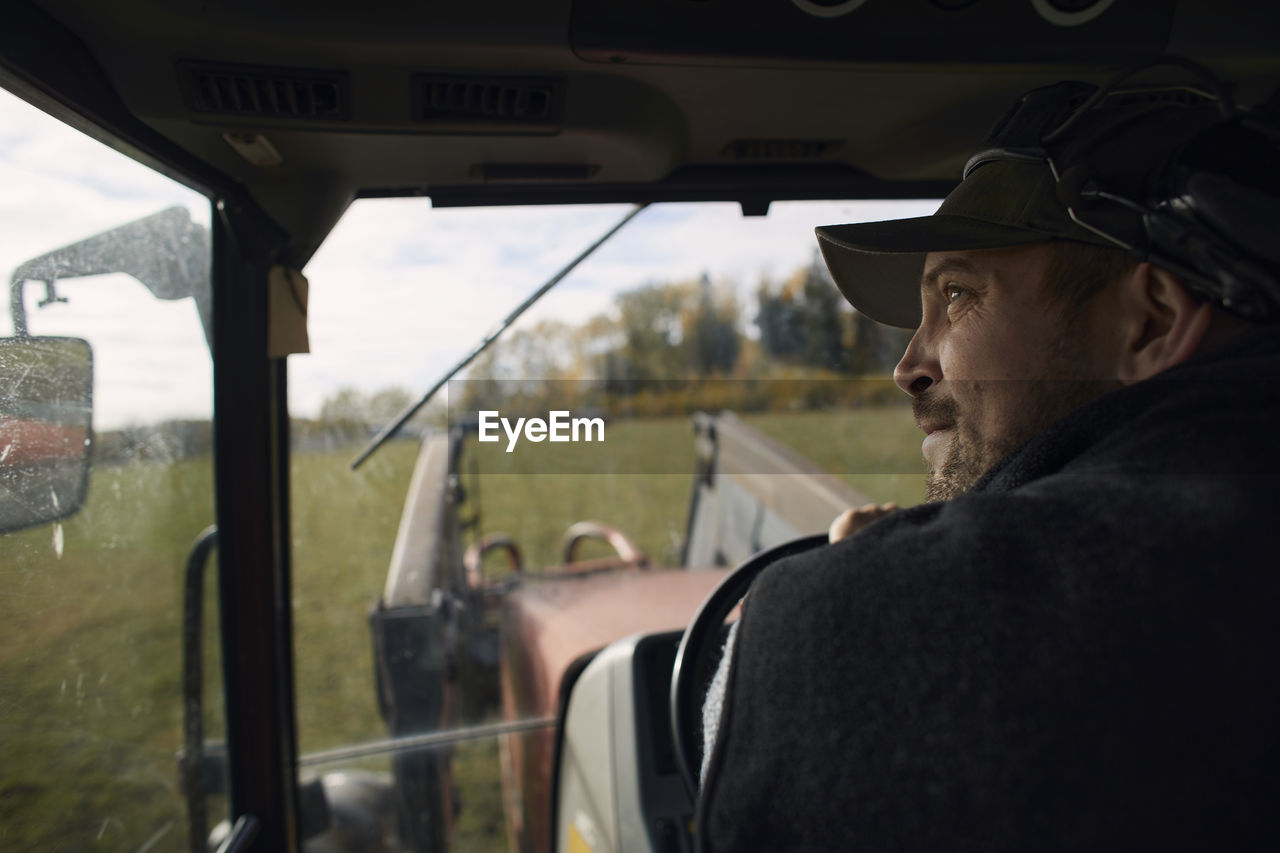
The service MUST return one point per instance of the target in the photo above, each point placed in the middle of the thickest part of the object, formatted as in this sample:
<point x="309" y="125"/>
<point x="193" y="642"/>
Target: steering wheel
<point x="696" y="659"/>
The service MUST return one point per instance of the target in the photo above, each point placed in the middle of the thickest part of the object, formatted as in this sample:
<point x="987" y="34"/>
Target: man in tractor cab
<point x="1074" y="644"/>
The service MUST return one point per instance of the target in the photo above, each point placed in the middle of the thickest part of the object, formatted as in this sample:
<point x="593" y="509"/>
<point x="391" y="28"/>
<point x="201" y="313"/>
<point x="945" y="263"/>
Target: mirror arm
<point x="51" y="296"/>
<point x="166" y="252"/>
<point x="17" y="308"/>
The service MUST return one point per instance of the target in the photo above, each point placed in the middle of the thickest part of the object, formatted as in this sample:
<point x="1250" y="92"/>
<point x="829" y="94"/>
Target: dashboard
<point x="618" y="784"/>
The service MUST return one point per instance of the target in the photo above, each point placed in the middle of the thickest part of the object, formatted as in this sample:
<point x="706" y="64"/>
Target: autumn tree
<point x="350" y="414"/>
<point x="807" y="322"/>
<point x="711" y="331"/>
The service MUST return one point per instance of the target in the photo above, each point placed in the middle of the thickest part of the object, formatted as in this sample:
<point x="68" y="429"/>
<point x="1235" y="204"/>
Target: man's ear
<point x="1162" y="323"/>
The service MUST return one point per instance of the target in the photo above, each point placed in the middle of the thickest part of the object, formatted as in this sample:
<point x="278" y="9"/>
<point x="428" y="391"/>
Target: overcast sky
<point x="399" y="291"/>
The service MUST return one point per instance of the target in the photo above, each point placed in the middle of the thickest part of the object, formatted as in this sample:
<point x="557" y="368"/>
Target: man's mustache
<point x="934" y="408"/>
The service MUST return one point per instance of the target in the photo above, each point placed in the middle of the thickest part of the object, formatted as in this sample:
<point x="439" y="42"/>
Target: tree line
<point x="700" y="329"/>
<point x="673" y="348"/>
<point x="661" y="349"/>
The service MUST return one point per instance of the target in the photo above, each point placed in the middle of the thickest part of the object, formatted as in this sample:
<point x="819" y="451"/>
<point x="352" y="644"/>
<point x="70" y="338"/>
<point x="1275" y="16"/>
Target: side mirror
<point x="46" y="397"/>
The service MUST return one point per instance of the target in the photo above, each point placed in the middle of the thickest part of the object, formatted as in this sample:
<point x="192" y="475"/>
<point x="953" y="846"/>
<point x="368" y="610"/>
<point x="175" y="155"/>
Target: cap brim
<point x="878" y="265"/>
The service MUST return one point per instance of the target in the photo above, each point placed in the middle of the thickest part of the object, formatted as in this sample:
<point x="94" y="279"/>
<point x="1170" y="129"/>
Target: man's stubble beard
<point x="1066" y="386"/>
<point x="961" y="468"/>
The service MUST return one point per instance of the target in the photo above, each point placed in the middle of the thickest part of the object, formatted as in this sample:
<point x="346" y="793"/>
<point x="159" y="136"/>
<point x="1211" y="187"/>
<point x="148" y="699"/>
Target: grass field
<point x="90" y="715"/>
<point x="877" y="451"/>
<point x="90" y="669"/>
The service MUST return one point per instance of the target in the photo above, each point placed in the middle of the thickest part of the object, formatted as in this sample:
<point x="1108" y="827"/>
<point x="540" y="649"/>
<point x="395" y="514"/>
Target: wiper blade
<point x="403" y="418"/>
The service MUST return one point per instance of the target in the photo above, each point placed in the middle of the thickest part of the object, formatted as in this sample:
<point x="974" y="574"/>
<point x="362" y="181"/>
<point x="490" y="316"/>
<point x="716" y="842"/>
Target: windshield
<point x="586" y="410"/>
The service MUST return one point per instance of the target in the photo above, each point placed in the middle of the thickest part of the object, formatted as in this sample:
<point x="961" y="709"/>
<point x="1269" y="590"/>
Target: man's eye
<point x="953" y="292"/>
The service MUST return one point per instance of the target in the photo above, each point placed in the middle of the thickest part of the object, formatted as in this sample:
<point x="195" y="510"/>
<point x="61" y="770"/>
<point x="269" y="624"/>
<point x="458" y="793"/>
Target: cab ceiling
<point x="310" y="104"/>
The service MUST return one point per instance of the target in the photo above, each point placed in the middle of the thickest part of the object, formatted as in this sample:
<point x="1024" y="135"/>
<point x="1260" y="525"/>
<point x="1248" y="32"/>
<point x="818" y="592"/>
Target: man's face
<point x="994" y="361"/>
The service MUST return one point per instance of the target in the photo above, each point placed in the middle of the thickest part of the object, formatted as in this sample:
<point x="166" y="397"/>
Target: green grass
<point x="90" y="668"/>
<point x="90" y="714"/>
<point x="640" y="479"/>
<point x="344" y="526"/>
<point x="877" y="450"/>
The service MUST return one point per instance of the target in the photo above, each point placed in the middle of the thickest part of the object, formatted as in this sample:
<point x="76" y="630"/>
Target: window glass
<point x="91" y="607"/>
<point x="403" y="583"/>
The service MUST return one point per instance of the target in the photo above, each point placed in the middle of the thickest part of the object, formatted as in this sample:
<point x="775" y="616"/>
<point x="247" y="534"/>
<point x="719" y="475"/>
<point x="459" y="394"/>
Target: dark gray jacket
<point x="1081" y="653"/>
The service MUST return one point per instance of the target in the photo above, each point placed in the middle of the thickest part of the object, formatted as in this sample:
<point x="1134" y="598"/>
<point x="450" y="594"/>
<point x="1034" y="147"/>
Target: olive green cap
<point x="1009" y="195"/>
<point x="878" y="265"/>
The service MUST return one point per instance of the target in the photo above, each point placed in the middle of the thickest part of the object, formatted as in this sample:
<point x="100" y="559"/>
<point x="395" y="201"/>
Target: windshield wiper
<point x="403" y="418"/>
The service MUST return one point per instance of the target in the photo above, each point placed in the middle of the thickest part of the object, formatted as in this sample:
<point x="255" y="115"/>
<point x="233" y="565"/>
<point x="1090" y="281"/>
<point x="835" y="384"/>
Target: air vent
<point x="265" y="92"/>
<point x="452" y="98"/>
<point x="779" y="149"/>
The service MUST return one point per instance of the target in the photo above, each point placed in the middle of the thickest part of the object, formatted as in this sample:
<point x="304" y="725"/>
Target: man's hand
<point x="851" y="521"/>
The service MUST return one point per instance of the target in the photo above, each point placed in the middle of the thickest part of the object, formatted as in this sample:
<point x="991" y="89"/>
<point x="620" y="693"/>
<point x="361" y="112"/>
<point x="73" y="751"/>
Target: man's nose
<point x="919" y="367"/>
